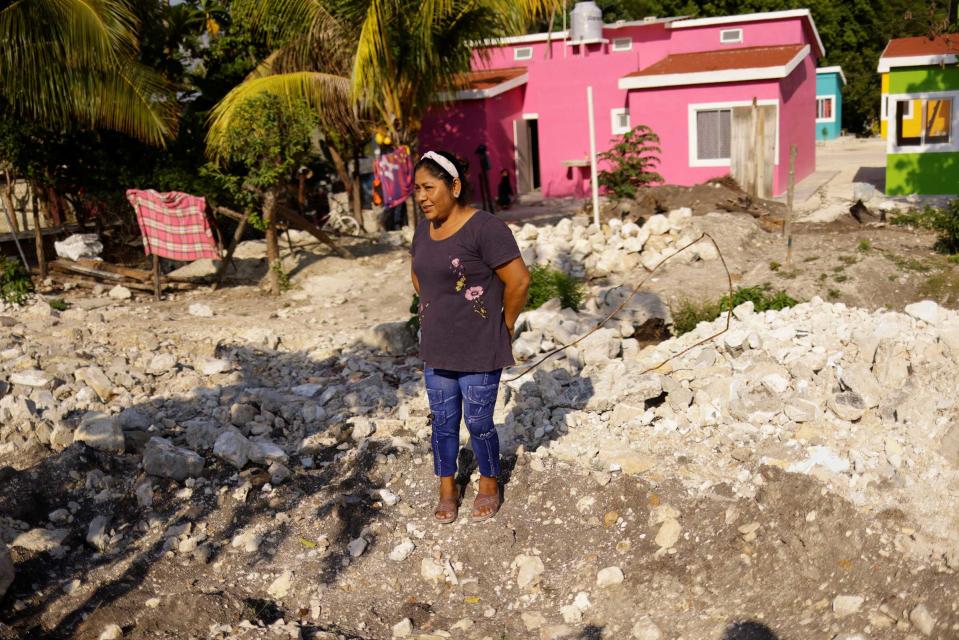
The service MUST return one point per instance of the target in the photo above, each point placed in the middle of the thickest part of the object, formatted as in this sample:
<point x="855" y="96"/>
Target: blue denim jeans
<point x="455" y="394"/>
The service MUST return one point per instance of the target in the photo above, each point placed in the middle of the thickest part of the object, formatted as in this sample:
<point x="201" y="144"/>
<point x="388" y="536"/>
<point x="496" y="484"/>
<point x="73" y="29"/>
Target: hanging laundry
<point x="395" y="172"/>
<point x="173" y="224"/>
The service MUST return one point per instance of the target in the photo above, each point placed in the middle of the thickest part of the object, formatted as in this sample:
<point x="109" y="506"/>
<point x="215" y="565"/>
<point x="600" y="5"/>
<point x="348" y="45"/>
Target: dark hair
<point x="437" y="171"/>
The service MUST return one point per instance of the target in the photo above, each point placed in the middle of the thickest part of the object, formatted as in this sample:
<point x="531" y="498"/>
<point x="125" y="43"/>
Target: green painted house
<point x="922" y="113"/>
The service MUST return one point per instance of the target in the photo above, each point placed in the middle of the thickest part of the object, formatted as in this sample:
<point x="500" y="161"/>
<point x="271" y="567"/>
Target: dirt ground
<point x="766" y="568"/>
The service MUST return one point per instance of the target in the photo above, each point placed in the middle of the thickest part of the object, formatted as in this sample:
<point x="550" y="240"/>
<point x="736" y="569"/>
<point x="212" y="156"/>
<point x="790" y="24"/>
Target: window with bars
<point x="620" y="121"/>
<point x="713" y="134"/>
<point x="731" y="36"/>
<point x="523" y="53"/>
<point x="824" y="109"/>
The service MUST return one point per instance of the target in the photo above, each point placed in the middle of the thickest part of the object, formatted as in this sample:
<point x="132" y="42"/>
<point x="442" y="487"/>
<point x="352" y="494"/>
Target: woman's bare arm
<point x="515" y="277"/>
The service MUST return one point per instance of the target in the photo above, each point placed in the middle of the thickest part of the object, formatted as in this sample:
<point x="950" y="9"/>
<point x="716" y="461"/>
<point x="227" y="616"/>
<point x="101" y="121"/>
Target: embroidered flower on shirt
<point x="473" y="294"/>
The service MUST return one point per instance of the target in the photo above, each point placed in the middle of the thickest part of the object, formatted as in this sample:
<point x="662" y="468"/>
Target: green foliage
<point x="58" y="304"/>
<point x="689" y="313"/>
<point x="15" y="283"/>
<point x="282" y="276"/>
<point x="547" y="283"/>
<point x="833" y="294"/>
<point x="633" y="159"/>
<point x="864" y="246"/>
<point x="943" y="220"/>
<point x="775" y="266"/>
<point x="269" y="138"/>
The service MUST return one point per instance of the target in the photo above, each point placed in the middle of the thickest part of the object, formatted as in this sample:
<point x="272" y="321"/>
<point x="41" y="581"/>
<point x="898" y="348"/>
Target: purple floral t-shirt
<point x="461" y="297"/>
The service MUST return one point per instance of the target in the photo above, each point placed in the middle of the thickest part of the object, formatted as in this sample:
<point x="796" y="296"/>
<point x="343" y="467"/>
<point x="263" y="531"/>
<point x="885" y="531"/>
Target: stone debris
<point x="43" y="540"/>
<point x="119" y="292"/>
<point x="846" y="605"/>
<point x="79" y="245"/>
<point x="922" y="620"/>
<point x="111" y="632"/>
<point x="7" y="572"/>
<point x="609" y="576"/>
<point x="403" y="628"/>
<point x="162" y="458"/>
<point x="577" y="247"/>
<point x="528" y="570"/>
<point x="402" y="551"/>
<point x="646" y="629"/>
<point x="280" y="588"/>
<point x="200" y="310"/>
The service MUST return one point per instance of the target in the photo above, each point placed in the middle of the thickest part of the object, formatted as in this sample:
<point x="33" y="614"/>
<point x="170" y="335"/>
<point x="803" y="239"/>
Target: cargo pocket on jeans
<point x="480" y="401"/>
<point x="437" y="406"/>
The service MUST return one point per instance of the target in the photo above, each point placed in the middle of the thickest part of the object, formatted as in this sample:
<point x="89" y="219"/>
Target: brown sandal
<point x="485" y="501"/>
<point x="449" y="505"/>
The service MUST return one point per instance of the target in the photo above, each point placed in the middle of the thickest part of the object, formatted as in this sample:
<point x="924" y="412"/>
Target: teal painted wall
<point x="922" y="173"/>
<point x="829" y="84"/>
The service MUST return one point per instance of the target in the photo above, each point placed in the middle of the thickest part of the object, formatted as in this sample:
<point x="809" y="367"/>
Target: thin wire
<point x="729" y="312"/>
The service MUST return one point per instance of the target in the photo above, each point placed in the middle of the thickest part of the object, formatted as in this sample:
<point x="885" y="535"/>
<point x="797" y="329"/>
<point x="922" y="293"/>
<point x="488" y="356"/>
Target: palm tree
<point x="72" y="64"/>
<point x="382" y="60"/>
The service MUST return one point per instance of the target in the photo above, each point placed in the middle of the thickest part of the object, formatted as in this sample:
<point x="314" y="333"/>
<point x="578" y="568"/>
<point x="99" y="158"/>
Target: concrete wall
<point x="922" y="173"/>
<point x="830" y="84"/>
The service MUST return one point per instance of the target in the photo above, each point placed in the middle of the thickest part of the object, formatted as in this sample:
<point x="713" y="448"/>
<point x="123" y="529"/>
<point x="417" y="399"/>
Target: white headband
<point x="443" y="162"/>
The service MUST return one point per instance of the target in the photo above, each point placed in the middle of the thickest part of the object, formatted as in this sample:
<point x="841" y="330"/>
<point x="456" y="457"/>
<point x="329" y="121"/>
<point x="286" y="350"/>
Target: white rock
<point x="609" y="576"/>
<point x="431" y="570"/>
<point x="846" y="605"/>
<point x="668" y="534"/>
<point x="646" y="629"/>
<point x="529" y="569"/>
<point x="120" y="292"/>
<point x="97" y="535"/>
<point x="402" y="551"/>
<point x="161" y="363"/>
<point x="232" y="447"/>
<point x="101" y="432"/>
<point x="356" y="547"/>
<point x="30" y="378"/>
<point x="280" y="587"/>
<point x="111" y="632"/>
<point x="403" y="628"/>
<point x="200" y="310"/>
<point x="926" y="310"/>
<point x="94" y="378"/>
<point x="657" y="224"/>
<point x="858" y="378"/>
<point x="214" y="366"/>
<point x="43" y="540"/>
<point x="79" y="245"/>
<point x="161" y="458"/>
<point x="388" y="497"/>
<point x="922" y="620"/>
<point x="279" y="473"/>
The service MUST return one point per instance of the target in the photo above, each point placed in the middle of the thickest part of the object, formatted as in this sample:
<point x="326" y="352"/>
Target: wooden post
<point x="753" y="189"/>
<point x="300" y="222"/>
<point x="156" y="277"/>
<point x="237" y="235"/>
<point x="38" y="236"/>
<point x="272" y="247"/>
<point x="760" y="153"/>
<point x="787" y="224"/>
<point x="357" y="188"/>
<point x="7" y="194"/>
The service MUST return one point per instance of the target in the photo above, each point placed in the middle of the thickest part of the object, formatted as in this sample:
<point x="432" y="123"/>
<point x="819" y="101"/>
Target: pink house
<point x="693" y="81"/>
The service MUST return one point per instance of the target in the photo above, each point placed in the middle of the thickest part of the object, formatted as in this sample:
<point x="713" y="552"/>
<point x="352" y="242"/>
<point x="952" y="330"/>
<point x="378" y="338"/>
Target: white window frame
<point x="938" y="147"/>
<point x="832" y="99"/>
<point x="738" y="38"/>
<point x="614" y="114"/>
<point x="694" y="160"/>
<point x="911" y="111"/>
<point x="884" y="108"/>
<point x="522" y="53"/>
<point x="622" y="44"/>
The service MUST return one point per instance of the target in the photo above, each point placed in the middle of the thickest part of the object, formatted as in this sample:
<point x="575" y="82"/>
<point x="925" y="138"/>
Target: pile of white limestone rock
<point x="579" y="248"/>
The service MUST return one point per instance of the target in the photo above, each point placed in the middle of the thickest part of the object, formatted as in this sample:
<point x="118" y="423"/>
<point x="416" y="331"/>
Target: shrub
<point x="864" y="246"/>
<point x="633" y="159"/>
<point x="944" y="221"/>
<point x="547" y="283"/>
<point x="15" y="283"/>
<point x="59" y="304"/>
<point x="688" y="313"/>
<point x="414" y="322"/>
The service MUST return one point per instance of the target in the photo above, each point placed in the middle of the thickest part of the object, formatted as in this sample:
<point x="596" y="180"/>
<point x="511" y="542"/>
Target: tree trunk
<point x="272" y="247"/>
<point x="38" y="201"/>
<point x="343" y="172"/>
<point x="357" y="188"/>
<point x="7" y="194"/>
<point x="413" y="144"/>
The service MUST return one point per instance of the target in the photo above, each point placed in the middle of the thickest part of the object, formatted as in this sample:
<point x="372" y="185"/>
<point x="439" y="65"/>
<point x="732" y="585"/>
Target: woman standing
<point x="472" y="284"/>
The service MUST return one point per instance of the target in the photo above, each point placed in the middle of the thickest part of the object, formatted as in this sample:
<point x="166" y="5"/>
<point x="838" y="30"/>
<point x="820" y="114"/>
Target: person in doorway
<point x="472" y="283"/>
<point x="504" y="192"/>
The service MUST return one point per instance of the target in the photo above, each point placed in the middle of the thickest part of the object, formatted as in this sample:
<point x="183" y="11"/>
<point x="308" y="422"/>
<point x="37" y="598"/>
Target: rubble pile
<point x="581" y="249"/>
<point x="863" y="401"/>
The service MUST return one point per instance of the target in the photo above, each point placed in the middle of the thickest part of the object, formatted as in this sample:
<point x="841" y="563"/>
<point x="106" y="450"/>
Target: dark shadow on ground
<point x="876" y="176"/>
<point x="342" y="476"/>
<point x="748" y="630"/>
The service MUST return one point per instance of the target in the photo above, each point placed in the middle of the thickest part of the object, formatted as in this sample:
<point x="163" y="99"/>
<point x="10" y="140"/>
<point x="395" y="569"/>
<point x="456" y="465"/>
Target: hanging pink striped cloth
<point x="173" y="224"/>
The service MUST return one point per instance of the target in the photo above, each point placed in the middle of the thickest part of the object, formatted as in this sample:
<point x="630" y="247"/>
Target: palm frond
<point x="327" y="93"/>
